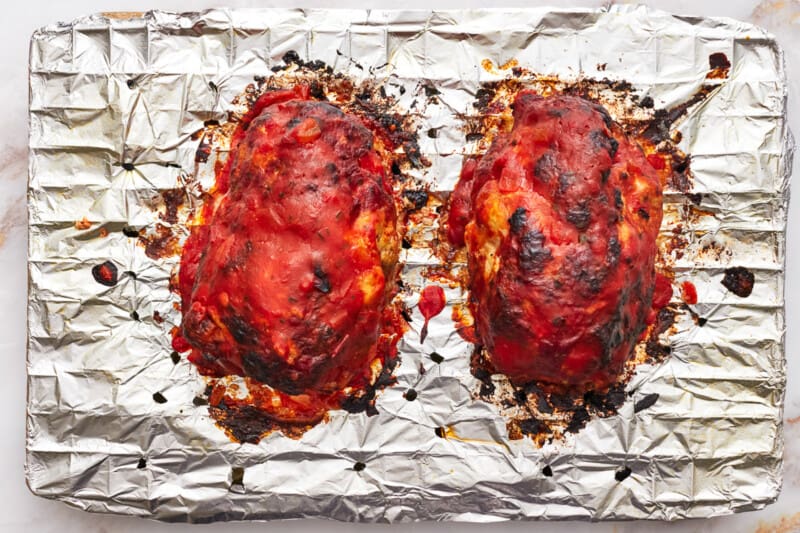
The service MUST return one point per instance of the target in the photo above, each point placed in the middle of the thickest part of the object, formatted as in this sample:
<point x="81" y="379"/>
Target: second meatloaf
<point x="560" y="219"/>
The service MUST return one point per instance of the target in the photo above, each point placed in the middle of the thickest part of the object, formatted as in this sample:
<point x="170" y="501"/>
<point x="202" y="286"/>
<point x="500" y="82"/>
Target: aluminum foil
<point x="96" y="439"/>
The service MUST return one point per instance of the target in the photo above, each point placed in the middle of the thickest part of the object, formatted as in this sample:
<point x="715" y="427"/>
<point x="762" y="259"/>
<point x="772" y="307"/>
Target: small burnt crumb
<point x="487" y="389"/>
<point x="719" y="60"/>
<point x="436" y="358"/>
<point x="701" y="321"/>
<point x="105" y="274"/>
<point x="130" y="231"/>
<point x="321" y="281"/>
<point x="135" y="316"/>
<point x="199" y="401"/>
<point x="396" y="168"/>
<point x="418" y="198"/>
<point x="316" y="91"/>
<point x="159" y="398"/>
<point x="130" y="273"/>
<point x="211" y="122"/>
<point x="359" y="466"/>
<point x="518" y="219"/>
<point x="131" y="83"/>
<point x="642" y="212"/>
<point x="433" y="133"/>
<point x="646" y="402"/>
<point x="176" y="357"/>
<point x="292" y="57"/>
<point x="621" y="475"/>
<point x="405" y="243"/>
<point x="410" y="395"/>
<point x="475" y="136"/>
<point x="213" y="86"/>
<point x="406" y="314"/>
<point x="618" y="198"/>
<point x="647" y="102"/>
<point x="440" y="432"/>
<point x="739" y="281"/>
<point x="547" y="471"/>
<point x="237" y="476"/>
<point x="128" y="166"/>
<point x="142" y="463"/>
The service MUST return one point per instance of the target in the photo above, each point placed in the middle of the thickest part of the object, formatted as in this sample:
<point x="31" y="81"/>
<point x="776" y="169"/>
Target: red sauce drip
<point x="689" y="292"/>
<point x="431" y="303"/>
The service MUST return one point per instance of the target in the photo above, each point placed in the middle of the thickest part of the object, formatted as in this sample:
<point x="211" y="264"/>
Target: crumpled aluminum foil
<point x="711" y="445"/>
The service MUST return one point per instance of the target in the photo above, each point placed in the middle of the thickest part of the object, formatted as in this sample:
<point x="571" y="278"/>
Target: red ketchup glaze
<point x="689" y="292"/>
<point x="287" y="275"/>
<point x="560" y="219"/>
<point x="431" y="303"/>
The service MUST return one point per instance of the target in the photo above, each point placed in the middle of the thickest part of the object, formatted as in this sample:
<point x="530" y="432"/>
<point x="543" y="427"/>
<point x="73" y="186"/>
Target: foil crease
<point x="711" y="445"/>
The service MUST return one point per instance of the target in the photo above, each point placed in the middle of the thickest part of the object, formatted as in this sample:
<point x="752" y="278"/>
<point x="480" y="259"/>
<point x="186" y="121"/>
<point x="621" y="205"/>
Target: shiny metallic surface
<point x="107" y="91"/>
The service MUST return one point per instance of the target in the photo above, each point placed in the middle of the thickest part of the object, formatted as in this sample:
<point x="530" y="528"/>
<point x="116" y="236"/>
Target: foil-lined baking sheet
<point x="96" y="439"/>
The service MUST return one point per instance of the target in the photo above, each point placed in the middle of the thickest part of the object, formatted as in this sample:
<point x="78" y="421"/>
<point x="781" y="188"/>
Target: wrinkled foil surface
<point x="711" y="445"/>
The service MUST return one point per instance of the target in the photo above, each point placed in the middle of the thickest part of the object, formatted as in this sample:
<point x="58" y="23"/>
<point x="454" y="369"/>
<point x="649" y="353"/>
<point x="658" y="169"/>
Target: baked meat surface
<point x="560" y="219"/>
<point x="286" y="277"/>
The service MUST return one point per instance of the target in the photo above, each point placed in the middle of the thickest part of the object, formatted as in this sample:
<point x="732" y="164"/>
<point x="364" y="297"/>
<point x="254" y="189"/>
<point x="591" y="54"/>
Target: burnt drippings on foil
<point x="105" y="273"/>
<point x="247" y="412"/>
<point x="739" y="281"/>
<point x="545" y="412"/>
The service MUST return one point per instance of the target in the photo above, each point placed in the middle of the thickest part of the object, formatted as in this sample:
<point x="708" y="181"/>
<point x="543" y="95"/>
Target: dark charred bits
<point x="647" y="102"/>
<point x="130" y="231"/>
<point x="199" y="401"/>
<point x="547" y="471"/>
<point x="142" y="463"/>
<point x="436" y="358"/>
<point x="359" y="466"/>
<point x="128" y="166"/>
<point x="621" y="475"/>
<point x="433" y="133"/>
<point x="237" y="476"/>
<point x="410" y="395"/>
<point x="430" y="90"/>
<point x="532" y="254"/>
<point x="159" y="398"/>
<point x="579" y="418"/>
<point x="176" y="358"/>
<point x="131" y="83"/>
<point x="530" y="426"/>
<point x="646" y="402"/>
<point x="718" y="60"/>
<point x="417" y="198"/>
<point x="739" y="281"/>
<point x="213" y="86"/>
<point x="321" y="281"/>
<point x="135" y="316"/>
<point x="405" y="243"/>
<point x="105" y="274"/>
<point x="440" y="432"/>
<point x="518" y="219"/>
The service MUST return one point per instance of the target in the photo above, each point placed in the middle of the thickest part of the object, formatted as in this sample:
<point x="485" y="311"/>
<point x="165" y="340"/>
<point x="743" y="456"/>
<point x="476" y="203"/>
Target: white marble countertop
<point x="19" y="510"/>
